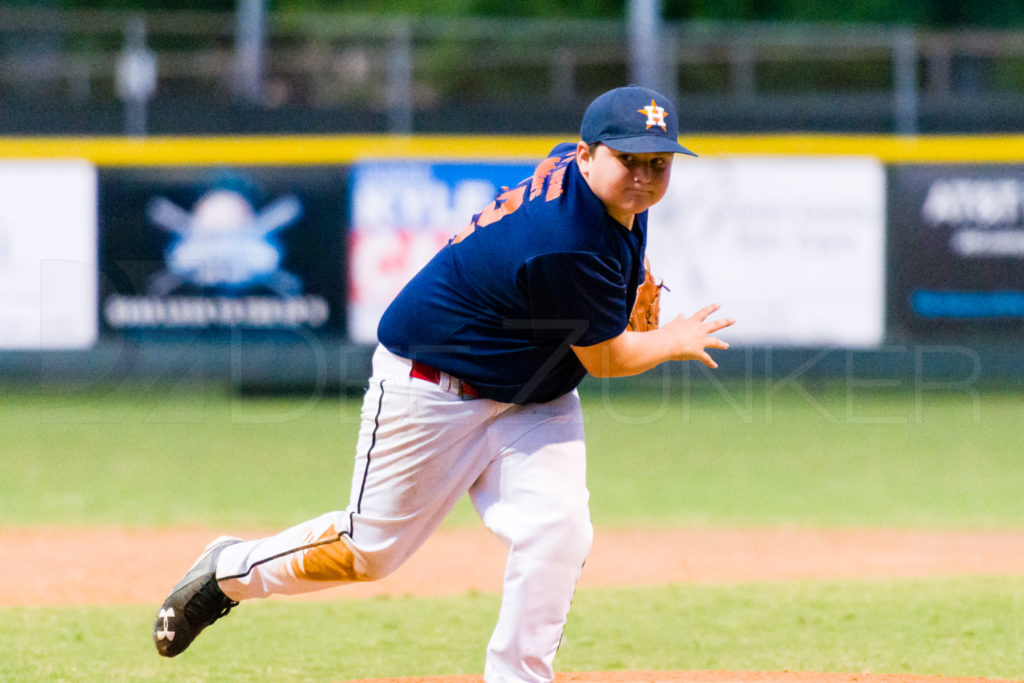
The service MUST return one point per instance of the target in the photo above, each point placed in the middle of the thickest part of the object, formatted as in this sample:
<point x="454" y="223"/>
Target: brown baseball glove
<point x="648" y="303"/>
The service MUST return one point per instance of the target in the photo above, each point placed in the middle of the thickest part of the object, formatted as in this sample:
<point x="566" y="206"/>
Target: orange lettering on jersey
<point x="506" y="203"/>
<point x="555" y="188"/>
<point x="552" y="170"/>
<point x="543" y="170"/>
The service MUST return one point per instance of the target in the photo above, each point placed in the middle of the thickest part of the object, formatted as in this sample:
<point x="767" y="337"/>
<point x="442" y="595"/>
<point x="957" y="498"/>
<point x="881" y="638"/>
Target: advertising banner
<point x="47" y="255"/>
<point x="957" y="244"/>
<point x="201" y="250"/>
<point x="793" y="248"/>
<point x="402" y="214"/>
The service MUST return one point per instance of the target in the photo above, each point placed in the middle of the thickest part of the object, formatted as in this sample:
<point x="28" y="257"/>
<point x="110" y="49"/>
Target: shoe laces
<point x="226" y="608"/>
<point x="208" y="604"/>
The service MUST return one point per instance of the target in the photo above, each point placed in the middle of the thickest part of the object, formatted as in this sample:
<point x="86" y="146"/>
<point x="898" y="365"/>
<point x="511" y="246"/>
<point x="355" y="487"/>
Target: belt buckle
<point x="466" y="392"/>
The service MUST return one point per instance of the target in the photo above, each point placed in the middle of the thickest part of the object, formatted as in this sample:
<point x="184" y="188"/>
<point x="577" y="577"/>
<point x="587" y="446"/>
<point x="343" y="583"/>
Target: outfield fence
<point x="264" y="262"/>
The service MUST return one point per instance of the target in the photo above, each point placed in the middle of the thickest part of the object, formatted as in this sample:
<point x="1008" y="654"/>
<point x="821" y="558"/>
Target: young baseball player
<point x="474" y="391"/>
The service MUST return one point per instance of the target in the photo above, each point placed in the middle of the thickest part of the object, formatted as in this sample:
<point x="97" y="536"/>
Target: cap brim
<point x="646" y="144"/>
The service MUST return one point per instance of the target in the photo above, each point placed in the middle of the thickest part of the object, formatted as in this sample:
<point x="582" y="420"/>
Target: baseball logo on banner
<point x="187" y="250"/>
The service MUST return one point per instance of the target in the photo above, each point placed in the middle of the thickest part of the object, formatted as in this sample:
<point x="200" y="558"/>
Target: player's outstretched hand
<point x="691" y="337"/>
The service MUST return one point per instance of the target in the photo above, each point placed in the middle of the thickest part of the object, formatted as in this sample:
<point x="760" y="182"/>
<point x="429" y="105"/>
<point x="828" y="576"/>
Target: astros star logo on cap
<point x="655" y="115"/>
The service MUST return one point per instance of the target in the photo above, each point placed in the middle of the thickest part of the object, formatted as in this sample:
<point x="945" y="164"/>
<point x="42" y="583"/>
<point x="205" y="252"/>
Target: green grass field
<point x="720" y="455"/>
<point x="964" y="627"/>
<point x="724" y="457"/>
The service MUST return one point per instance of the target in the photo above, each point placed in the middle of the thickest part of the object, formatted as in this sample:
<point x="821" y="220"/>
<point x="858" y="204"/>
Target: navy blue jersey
<point x="542" y="268"/>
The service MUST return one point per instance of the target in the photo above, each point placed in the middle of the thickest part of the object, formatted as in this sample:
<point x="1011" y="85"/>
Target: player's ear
<point x="583" y="158"/>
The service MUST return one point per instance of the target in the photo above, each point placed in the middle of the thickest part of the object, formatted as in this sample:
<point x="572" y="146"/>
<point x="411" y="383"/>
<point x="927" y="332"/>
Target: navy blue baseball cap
<point x="633" y="119"/>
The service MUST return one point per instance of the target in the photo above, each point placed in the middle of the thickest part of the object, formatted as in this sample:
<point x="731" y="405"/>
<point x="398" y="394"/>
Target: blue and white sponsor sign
<point x="402" y="214"/>
<point x="958" y="249"/>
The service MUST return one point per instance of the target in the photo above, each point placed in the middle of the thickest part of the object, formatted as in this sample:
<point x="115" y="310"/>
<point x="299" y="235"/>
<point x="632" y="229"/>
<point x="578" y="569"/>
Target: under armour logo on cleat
<point x="165" y="632"/>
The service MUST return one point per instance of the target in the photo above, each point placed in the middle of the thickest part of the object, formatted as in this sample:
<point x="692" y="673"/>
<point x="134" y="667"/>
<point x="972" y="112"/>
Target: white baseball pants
<point x="420" y="448"/>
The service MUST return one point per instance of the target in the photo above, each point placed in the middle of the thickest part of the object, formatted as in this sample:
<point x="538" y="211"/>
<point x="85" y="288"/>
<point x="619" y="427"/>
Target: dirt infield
<point x="56" y="566"/>
<point x="53" y="566"/>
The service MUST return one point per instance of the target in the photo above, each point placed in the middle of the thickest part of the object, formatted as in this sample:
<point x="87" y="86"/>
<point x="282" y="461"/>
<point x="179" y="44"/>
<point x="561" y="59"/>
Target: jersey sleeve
<point x="576" y="296"/>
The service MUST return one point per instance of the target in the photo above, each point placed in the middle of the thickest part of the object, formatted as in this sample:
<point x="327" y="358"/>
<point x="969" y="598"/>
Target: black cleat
<point x="195" y="603"/>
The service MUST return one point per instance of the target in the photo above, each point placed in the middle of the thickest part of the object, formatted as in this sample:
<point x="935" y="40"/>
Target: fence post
<point x="563" y="76"/>
<point x="905" y="91"/>
<point x="645" y="45"/>
<point x="399" y="87"/>
<point x="249" y="38"/>
<point x="135" y="76"/>
<point x="742" y="71"/>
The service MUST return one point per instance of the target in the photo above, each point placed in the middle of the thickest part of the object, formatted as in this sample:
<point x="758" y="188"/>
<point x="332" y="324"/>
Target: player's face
<point x="628" y="184"/>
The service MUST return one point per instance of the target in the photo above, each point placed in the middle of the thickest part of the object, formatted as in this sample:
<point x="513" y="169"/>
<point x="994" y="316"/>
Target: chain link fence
<point x="71" y="71"/>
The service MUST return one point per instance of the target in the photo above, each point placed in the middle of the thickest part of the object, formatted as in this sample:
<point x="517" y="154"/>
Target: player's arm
<point x="631" y="353"/>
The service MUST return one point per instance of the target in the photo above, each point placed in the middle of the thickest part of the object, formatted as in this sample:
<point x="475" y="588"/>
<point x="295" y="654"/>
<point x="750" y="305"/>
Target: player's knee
<point x="581" y="538"/>
<point x="566" y="540"/>
<point x="377" y="565"/>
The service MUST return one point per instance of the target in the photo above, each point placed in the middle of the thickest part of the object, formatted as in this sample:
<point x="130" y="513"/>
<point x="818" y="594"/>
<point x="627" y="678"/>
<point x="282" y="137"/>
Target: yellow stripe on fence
<point x="343" y="149"/>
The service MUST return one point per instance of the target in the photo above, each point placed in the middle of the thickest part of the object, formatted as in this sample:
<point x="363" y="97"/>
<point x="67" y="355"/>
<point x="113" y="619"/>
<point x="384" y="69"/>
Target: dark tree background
<point x="924" y="13"/>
